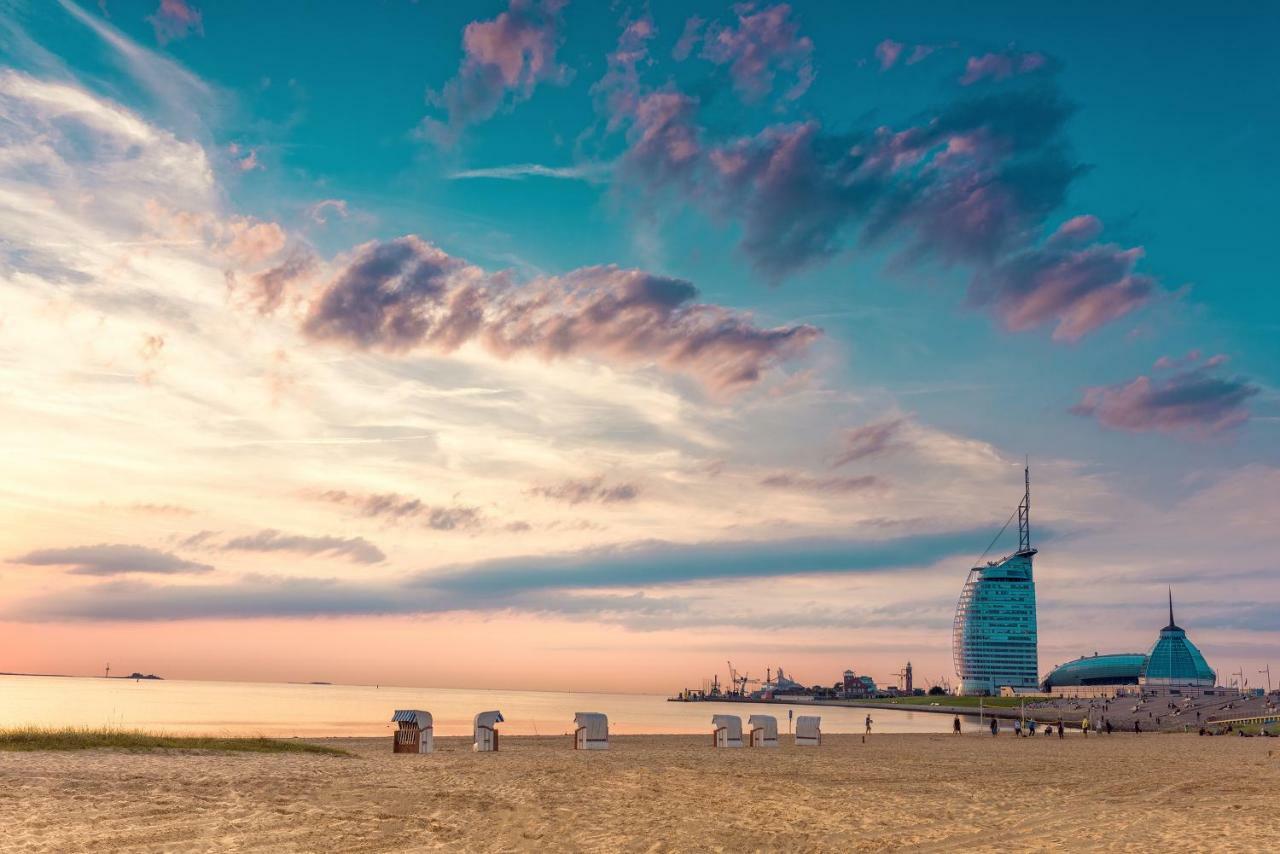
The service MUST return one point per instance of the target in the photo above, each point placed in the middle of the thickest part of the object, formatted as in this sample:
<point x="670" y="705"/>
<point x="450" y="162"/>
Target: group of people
<point x="1030" y="729"/>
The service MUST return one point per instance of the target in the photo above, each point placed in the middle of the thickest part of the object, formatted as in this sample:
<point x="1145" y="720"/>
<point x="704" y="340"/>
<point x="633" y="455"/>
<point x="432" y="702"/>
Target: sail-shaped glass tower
<point x="994" y="639"/>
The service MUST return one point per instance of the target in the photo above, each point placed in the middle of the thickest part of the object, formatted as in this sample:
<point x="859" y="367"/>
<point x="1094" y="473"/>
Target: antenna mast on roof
<point x="1024" y="514"/>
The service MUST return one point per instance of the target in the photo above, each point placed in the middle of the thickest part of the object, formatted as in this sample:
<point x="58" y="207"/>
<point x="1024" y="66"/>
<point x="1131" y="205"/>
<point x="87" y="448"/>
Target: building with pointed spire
<point x="1173" y="664"/>
<point x="1174" y="661"/>
<point x="994" y="635"/>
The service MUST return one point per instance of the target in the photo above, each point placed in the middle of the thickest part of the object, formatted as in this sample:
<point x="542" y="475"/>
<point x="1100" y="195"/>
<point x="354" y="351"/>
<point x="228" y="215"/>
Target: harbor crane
<point x="738" y="682"/>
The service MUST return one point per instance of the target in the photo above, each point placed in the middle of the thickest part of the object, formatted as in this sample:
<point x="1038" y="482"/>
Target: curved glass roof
<point x="1175" y="660"/>
<point x="1122" y="668"/>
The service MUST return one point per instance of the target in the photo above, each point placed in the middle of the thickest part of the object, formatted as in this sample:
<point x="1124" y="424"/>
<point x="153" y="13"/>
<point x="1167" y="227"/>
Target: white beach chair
<point x="486" y="733"/>
<point x="809" y="730"/>
<point x="415" y="734"/>
<point x="728" y="730"/>
<point x="592" y="731"/>
<point x="764" y="731"/>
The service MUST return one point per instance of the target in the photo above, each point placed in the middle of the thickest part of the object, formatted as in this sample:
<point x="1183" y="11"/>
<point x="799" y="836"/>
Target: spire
<point x="1024" y="513"/>
<point x="1172" y="624"/>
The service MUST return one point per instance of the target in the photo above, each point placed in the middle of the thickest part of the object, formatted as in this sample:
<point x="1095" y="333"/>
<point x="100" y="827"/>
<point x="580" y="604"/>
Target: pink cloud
<point x="406" y="294"/>
<point x="620" y="86"/>
<point x="972" y="184"/>
<point x="1078" y="229"/>
<point x="321" y="210"/>
<point x="176" y="19"/>
<point x="506" y="56"/>
<point x="1079" y="287"/>
<point x="1194" y="401"/>
<point x="688" y="38"/>
<point x="919" y="53"/>
<point x="246" y="160"/>
<point x="756" y="46"/>
<point x="266" y="291"/>
<point x="1000" y="66"/>
<point x="888" y="52"/>
<point x="664" y="137"/>
<point x="869" y="440"/>
<point x="251" y="242"/>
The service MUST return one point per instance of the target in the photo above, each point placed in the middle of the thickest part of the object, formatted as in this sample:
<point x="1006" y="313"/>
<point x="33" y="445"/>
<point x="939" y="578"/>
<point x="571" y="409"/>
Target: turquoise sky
<point x="926" y="242"/>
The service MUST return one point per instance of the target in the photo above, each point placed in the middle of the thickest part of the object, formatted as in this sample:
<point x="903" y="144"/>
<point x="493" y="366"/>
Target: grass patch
<point x="75" y="738"/>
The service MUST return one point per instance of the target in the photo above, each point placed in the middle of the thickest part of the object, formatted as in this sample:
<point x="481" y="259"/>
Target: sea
<point x="309" y="711"/>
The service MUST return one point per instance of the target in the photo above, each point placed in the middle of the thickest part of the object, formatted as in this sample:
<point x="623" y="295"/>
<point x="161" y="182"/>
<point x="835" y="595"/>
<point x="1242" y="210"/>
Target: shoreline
<point x="1002" y="712"/>
<point x="1162" y="714"/>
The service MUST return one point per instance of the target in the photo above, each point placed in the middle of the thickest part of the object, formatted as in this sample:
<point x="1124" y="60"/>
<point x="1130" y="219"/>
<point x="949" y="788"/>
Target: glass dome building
<point x="1173" y="662"/>
<point x="1121" y="668"/>
<point x="994" y="638"/>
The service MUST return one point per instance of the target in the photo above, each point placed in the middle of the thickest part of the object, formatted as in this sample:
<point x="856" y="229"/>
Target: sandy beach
<point x="659" y="793"/>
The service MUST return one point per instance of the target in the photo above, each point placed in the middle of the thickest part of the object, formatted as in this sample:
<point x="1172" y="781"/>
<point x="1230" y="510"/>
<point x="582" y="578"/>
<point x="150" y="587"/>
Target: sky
<point x="568" y="345"/>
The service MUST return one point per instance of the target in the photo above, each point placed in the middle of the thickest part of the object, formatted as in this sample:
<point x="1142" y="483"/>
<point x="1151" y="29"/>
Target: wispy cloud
<point x="869" y="440"/>
<point x="592" y="173"/>
<point x="887" y="53"/>
<point x="406" y="294"/>
<point x="320" y="211"/>
<point x="112" y="559"/>
<point x="971" y="183"/>
<point x="185" y="97"/>
<point x="176" y="19"/>
<point x="357" y="549"/>
<point x="756" y="46"/>
<point x="561" y="584"/>
<point x="999" y="66"/>
<point x="393" y="507"/>
<point x="507" y="56"/>
<point x="591" y="490"/>
<point x="646" y="564"/>
<point x="1068" y="280"/>
<point x="800" y="482"/>
<point x="1196" y="401"/>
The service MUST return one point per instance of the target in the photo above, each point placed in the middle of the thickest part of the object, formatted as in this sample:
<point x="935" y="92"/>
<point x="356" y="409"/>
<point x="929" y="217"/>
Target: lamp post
<point x="1267" y="671"/>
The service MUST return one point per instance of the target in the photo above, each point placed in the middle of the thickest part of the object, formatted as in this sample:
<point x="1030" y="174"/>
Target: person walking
<point x="955" y="725"/>
<point x="995" y="727"/>
<point x="1017" y="729"/>
<point x="1136" y="728"/>
<point x="1084" y="726"/>
<point x="1107" y="724"/>
<point x="1062" y="731"/>
<point x="868" y="724"/>
<point x="1031" y="727"/>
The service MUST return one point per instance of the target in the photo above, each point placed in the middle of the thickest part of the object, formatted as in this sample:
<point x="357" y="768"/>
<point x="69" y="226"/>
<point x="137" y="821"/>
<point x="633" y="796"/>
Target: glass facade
<point x="1119" y="668"/>
<point x="1174" y="660"/>
<point x="994" y="638"/>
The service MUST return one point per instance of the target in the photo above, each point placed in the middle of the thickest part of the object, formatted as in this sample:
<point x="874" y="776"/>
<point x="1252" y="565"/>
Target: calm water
<point x="250" y="708"/>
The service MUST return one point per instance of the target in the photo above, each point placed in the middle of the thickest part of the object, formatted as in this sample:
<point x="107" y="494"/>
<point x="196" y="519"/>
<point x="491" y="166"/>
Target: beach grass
<point x="109" y="738"/>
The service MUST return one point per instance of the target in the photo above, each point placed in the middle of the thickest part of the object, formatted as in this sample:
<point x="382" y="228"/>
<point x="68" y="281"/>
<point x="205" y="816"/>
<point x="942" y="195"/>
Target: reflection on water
<point x="250" y="708"/>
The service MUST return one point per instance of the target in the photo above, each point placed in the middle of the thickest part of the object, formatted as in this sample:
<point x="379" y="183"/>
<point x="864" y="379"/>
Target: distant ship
<point x="994" y="639"/>
<point x="781" y="684"/>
